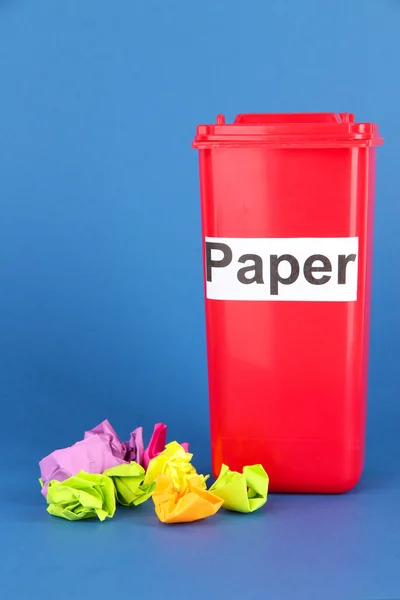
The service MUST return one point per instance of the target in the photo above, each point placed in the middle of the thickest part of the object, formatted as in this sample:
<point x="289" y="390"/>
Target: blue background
<point x="101" y="298"/>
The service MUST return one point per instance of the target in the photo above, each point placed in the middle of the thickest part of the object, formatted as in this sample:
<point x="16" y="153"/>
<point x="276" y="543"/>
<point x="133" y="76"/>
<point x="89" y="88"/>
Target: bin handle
<point x="291" y="118"/>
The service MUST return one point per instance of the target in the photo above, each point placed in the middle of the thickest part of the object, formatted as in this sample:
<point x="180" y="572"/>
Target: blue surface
<point x="101" y="306"/>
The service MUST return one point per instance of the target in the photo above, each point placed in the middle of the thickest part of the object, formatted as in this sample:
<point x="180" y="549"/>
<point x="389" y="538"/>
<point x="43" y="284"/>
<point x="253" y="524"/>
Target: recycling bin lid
<point x="289" y="130"/>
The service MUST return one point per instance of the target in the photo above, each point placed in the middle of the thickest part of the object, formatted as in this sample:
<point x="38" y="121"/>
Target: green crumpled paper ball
<point x="83" y="496"/>
<point x="128" y="480"/>
<point x="242" y="492"/>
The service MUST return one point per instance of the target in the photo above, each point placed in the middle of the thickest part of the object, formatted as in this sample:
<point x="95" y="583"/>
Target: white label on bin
<point x="291" y="269"/>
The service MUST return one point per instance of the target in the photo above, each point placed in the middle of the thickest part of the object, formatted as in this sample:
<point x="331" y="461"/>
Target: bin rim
<point x="288" y="130"/>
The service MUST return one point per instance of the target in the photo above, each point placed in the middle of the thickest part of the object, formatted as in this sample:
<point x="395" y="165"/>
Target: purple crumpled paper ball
<point x="93" y="455"/>
<point x="102" y="449"/>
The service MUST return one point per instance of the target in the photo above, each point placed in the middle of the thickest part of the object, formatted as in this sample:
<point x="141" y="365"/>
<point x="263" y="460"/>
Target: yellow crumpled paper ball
<point x="174" y="462"/>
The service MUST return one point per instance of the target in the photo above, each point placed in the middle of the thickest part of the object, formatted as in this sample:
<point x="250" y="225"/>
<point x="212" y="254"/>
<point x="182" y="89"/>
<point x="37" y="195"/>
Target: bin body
<point x="287" y="219"/>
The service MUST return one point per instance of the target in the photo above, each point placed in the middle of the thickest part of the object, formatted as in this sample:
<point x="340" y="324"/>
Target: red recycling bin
<point x="287" y="218"/>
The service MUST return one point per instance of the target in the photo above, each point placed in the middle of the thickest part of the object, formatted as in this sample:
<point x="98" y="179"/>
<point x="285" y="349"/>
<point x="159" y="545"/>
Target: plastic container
<point x="287" y="217"/>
